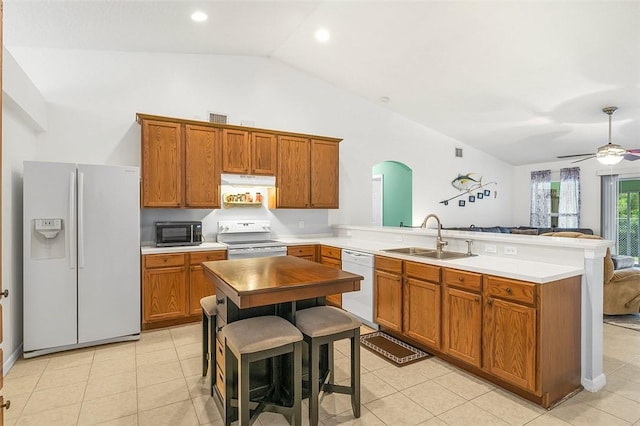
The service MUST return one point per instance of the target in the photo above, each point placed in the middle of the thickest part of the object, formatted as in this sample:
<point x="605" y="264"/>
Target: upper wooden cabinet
<point x="182" y="161"/>
<point x="180" y="165"/>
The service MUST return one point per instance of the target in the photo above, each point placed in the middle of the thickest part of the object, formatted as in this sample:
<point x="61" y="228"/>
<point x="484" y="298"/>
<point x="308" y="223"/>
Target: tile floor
<point x="157" y="381"/>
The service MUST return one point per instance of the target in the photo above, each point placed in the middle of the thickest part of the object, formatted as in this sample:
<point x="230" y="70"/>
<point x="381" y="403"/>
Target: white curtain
<point x="540" y="214"/>
<point x="569" y="206"/>
<point x="608" y="208"/>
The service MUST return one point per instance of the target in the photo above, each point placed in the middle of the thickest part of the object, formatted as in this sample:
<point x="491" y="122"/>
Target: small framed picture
<point x="487" y="192"/>
<point x="480" y="195"/>
<point x="472" y="199"/>
<point x="461" y="203"/>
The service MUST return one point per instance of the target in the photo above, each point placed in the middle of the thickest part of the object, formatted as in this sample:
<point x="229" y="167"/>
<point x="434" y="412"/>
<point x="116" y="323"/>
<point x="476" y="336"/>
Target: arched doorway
<point x="392" y="203"/>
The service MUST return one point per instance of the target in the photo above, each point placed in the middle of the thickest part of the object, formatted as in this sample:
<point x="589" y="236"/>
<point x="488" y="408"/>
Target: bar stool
<point x="255" y="339"/>
<point x="323" y="325"/>
<point x="209" y="337"/>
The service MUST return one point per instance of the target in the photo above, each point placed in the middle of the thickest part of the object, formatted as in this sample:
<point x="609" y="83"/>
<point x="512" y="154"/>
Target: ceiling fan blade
<point x="632" y="154"/>
<point x="586" y="158"/>
<point x="575" y="155"/>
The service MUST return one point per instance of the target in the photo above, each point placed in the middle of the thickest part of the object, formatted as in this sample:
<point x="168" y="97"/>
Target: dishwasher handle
<point x="357" y="257"/>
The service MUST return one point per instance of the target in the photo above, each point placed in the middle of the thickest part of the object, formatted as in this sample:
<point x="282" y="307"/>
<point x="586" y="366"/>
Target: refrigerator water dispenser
<point x="46" y="240"/>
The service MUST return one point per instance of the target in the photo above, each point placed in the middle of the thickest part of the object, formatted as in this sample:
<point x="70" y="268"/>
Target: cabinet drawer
<point x="220" y="381"/>
<point x="462" y="279"/>
<point x="503" y="288"/>
<point x="163" y="260"/>
<point x="328" y="251"/>
<point x="423" y="272"/>
<point x="219" y="353"/>
<point x="301" y="251"/>
<point x="205" y="256"/>
<point x="221" y="317"/>
<point x="388" y="264"/>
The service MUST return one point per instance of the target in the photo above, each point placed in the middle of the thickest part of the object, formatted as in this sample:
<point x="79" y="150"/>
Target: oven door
<point x="253" y="252"/>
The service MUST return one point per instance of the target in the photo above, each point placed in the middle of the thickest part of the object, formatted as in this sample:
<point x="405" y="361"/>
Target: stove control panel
<point x="242" y="226"/>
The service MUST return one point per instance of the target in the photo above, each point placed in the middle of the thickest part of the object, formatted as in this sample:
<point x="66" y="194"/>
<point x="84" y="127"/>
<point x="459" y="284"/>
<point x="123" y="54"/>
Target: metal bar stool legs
<point x="208" y="305"/>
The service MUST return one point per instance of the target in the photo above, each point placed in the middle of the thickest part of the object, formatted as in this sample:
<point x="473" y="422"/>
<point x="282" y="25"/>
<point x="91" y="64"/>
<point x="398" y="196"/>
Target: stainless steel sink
<point x="444" y="255"/>
<point x="410" y="250"/>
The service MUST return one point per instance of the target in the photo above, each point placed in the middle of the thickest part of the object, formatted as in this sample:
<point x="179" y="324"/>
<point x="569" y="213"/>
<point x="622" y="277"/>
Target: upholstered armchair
<point x="621" y="287"/>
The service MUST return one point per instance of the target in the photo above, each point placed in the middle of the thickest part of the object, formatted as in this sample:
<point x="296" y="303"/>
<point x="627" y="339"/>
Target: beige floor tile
<point x="433" y="397"/>
<point x="547" y="420"/>
<point x="178" y="414"/>
<point x="343" y="346"/>
<point x="70" y="359"/>
<point x="19" y="385"/>
<point x="98" y="387"/>
<point x="614" y="404"/>
<point x="401" y="377"/>
<point x="372" y="387"/>
<point x="154" y="335"/>
<point x="155" y="342"/>
<point x="18" y="402"/>
<point x="115" y="351"/>
<point x="508" y="407"/>
<point x="434" y="421"/>
<point x="131" y="420"/>
<point x="577" y="412"/>
<point x="111" y="366"/>
<point x="191" y="350"/>
<point x="156" y="357"/>
<point x="431" y="368"/>
<point x="158" y="373"/>
<point x="64" y="376"/>
<point x="27" y="367"/>
<point x="271" y="419"/>
<point x="469" y="414"/>
<point x="367" y="418"/>
<point x="107" y="408"/>
<point x="199" y="385"/>
<point x="59" y="416"/>
<point x="42" y="400"/>
<point x="342" y="369"/>
<point x="611" y="364"/>
<point x="371" y="361"/>
<point x="398" y="410"/>
<point x="160" y="394"/>
<point x="191" y="366"/>
<point x="206" y="409"/>
<point x="187" y="334"/>
<point x="623" y="387"/>
<point x="333" y="404"/>
<point x="463" y="384"/>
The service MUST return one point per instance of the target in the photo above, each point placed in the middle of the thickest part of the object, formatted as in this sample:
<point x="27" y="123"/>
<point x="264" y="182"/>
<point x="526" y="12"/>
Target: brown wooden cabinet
<point x="292" y="180"/>
<point x="324" y="178"/>
<point x="332" y="256"/>
<point x="305" y="252"/>
<point x="180" y="165"/>
<point x="172" y="286"/>
<point x="264" y="154"/>
<point x="462" y="316"/>
<point x="387" y="287"/>
<point x="249" y="152"/>
<point x="421" y="303"/>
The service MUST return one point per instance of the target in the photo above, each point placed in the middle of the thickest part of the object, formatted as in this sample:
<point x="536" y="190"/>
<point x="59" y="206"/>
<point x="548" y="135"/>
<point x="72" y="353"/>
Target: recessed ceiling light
<point x="322" y="35"/>
<point x="384" y="99"/>
<point x="199" y="16"/>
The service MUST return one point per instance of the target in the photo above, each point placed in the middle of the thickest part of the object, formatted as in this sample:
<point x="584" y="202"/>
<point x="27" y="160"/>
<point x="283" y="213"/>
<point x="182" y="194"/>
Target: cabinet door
<point x="510" y="342"/>
<point x="264" y="155"/>
<point x="388" y="300"/>
<point x="162" y="168"/>
<point x="202" y="172"/>
<point x="462" y="325"/>
<point x="199" y="285"/>
<point x="333" y="299"/>
<point x="422" y="311"/>
<point x="164" y="294"/>
<point x="236" y="153"/>
<point x="304" y="252"/>
<point x="324" y="181"/>
<point x="293" y="172"/>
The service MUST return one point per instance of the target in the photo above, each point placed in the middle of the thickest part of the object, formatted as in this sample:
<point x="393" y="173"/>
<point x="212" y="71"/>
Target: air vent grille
<point x="217" y="118"/>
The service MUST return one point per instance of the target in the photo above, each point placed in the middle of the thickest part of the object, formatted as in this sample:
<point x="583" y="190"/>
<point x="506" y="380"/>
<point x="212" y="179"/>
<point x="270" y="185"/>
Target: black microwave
<point x="178" y="234"/>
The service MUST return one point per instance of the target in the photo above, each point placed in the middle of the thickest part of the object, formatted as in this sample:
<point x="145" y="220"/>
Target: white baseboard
<point x="596" y="384"/>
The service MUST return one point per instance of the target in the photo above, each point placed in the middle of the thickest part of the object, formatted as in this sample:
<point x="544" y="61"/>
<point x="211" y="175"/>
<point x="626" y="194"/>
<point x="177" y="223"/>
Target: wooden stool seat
<point x="209" y="305"/>
<point x="255" y="339"/>
<point x="323" y="325"/>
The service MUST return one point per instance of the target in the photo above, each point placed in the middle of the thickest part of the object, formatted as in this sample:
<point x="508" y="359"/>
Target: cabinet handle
<point x="5" y="293"/>
<point x="460" y="279"/>
<point x="508" y="290"/>
<point x="6" y="405"/>
<point x="219" y="301"/>
<point x="219" y="329"/>
<point x="489" y="301"/>
<point x="477" y="299"/>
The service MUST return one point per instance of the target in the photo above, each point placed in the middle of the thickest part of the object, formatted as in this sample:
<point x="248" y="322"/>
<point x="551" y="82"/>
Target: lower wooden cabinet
<point x="332" y="256"/>
<point x="387" y="287"/>
<point x="421" y="303"/>
<point x="462" y="325"/>
<point x="305" y="252"/>
<point x="172" y="286"/>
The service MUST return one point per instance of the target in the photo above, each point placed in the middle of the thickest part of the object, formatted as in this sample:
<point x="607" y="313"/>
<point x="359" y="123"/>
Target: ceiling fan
<point x="610" y="153"/>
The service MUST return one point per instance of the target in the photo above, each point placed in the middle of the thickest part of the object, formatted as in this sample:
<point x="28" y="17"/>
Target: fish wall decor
<point x="469" y="183"/>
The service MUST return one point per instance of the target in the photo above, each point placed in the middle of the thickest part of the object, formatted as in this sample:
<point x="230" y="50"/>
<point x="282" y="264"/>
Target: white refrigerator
<point x="81" y="262"/>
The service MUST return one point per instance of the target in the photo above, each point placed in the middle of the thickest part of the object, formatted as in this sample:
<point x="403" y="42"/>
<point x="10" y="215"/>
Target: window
<point x="628" y="218"/>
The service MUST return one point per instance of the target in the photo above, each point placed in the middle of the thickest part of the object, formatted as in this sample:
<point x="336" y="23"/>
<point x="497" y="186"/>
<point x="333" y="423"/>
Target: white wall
<point x="94" y="96"/>
<point x="23" y="116"/>
<point x="590" y="171"/>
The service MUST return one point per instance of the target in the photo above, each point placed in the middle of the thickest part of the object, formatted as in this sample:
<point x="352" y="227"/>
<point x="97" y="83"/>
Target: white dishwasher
<point x="359" y="303"/>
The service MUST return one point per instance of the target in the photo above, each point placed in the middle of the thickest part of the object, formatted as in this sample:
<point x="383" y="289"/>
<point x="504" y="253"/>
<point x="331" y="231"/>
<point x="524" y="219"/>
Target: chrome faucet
<point x="440" y="243"/>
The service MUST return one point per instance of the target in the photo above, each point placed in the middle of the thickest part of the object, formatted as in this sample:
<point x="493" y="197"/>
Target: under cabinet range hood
<point x="247" y="180"/>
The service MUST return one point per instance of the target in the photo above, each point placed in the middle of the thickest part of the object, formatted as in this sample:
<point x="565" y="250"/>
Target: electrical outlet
<point x="490" y="248"/>
<point x="510" y="250"/>
<point x="399" y="239"/>
<point x="301" y="224"/>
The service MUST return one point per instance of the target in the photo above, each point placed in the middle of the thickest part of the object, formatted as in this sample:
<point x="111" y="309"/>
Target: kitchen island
<point x="269" y="286"/>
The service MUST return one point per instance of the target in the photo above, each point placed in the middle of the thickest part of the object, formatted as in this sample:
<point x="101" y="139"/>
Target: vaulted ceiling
<point x="524" y="81"/>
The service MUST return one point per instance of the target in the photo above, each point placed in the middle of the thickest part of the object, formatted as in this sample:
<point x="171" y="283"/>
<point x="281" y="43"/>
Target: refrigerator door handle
<point x="70" y="228"/>
<point x="80" y="220"/>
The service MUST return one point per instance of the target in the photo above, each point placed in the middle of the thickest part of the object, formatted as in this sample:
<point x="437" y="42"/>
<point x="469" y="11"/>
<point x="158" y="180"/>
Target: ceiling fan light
<point x="610" y="154"/>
